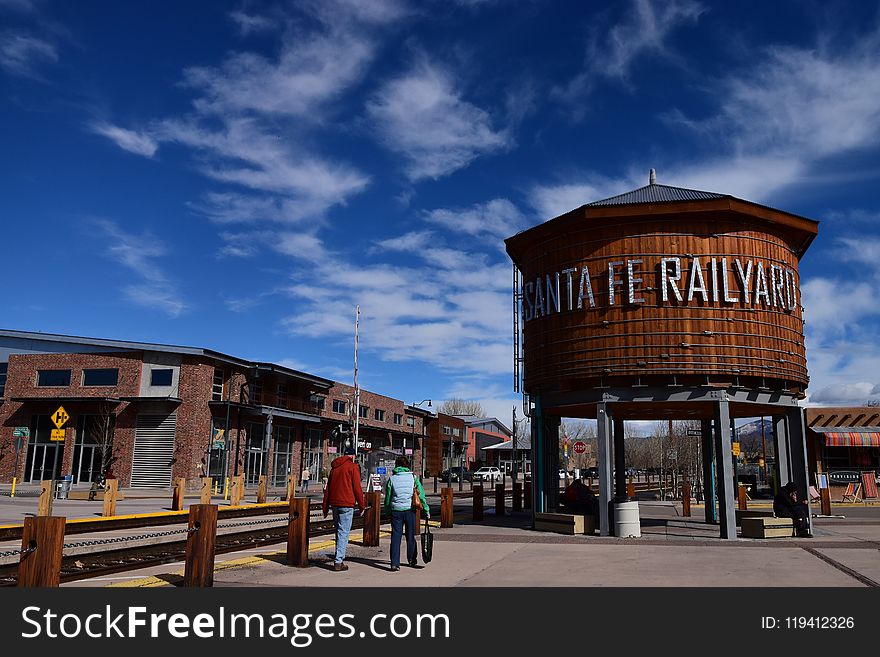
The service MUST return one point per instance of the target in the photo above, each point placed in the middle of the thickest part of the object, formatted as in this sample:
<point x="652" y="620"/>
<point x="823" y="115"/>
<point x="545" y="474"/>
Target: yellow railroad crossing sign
<point x="736" y="450"/>
<point x="57" y="434"/>
<point x="60" y="417"/>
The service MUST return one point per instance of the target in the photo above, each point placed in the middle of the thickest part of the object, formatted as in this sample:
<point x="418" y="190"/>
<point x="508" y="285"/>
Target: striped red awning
<point x="852" y="439"/>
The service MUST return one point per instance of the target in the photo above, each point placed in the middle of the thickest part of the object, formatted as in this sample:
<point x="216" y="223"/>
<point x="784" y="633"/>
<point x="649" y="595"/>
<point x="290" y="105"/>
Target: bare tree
<point x="572" y="431"/>
<point x="100" y="431"/>
<point x="458" y="406"/>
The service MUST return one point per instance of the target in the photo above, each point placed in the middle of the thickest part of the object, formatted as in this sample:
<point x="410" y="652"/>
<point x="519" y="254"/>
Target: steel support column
<point x="619" y="462"/>
<point x="603" y="432"/>
<point x="783" y="470"/>
<point x="724" y="465"/>
<point x="538" y="457"/>
<point x="551" y="461"/>
<point x="797" y="451"/>
<point x="711" y="513"/>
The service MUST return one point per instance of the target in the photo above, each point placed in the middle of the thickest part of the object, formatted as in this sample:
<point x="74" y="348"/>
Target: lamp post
<point x="413" y="433"/>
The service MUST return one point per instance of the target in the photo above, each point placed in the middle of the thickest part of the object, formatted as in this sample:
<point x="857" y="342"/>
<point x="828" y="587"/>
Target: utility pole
<point x="357" y="392"/>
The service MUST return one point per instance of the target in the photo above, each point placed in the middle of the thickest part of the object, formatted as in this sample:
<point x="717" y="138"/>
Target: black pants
<point x="800" y="515"/>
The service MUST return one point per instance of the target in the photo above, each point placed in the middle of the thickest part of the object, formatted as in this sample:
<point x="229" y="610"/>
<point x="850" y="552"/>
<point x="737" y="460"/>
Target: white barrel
<point x="626" y="520"/>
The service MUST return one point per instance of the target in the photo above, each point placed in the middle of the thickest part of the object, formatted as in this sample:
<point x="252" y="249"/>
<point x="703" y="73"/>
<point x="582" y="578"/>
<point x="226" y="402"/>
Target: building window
<point x="3" y="367"/>
<point x="217" y="386"/>
<point x="108" y="376"/>
<point x="339" y="406"/>
<point x="161" y="378"/>
<point x="456" y="433"/>
<point x="410" y="421"/>
<point x="318" y="402"/>
<point x="379" y="414"/>
<point x="282" y="395"/>
<point x="364" y="411"/>
<point x="447" y="430"/>
<point x="256" y="392"/>
<point x="53" y="378"/>
<point x="398" y="418"/>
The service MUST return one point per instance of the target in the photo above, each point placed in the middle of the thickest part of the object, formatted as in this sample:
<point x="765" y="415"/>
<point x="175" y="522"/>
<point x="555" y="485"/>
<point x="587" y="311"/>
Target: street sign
<point x="381" y="471"/>
<point x="376" y="483"/>
<point x="694" y="432"/>
<point x="60" y="417"/>
<point x="19" y="444"/>
<point x="57" y="434"/>
<point x="21" y="432"/>
<point x="736" y="449"/>
<point x="580" y="447"/>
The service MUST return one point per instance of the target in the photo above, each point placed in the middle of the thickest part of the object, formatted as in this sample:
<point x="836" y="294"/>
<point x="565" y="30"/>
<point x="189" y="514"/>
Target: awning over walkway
<point x="850" y="436"/>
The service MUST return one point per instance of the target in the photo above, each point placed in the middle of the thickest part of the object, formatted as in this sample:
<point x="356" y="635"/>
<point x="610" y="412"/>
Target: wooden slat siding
<point x="571" y="349"/>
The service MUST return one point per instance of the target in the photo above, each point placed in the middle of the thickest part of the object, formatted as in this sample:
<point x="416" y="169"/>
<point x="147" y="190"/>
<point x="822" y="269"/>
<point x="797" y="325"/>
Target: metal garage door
<point x="153" y="451"/>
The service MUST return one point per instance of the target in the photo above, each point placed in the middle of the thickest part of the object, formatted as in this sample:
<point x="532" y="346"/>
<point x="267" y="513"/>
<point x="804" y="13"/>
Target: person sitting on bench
<point x="786" y="505"/>
<point x="578" y="498"/>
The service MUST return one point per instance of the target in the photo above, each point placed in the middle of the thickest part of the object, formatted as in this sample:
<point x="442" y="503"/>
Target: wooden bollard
<point x="200" y="544"/>
<point x="44" y="504"/>
<point x="447" y="499"/>
<point x="527" y="495"/>
<point x="207" y="490"/>
<point x="177" y="494"/>
<point x="112" y="486"/>
<point x="478" y="502"/>
<point x="291" y="488"/>
<point x="517" y="496"/>
<point x="741" y="498"/>
<point x="261" y="490"/>
<point x="825" y="501"/>
<point x="371" y="519"/>
<point x="237" y="490"/>
<point x="630" y="489"/>
<point x="42" y="566"/>
<point x="499" y="499"/>
<point x="298" y="532"/>
<point x="686" y="500"/>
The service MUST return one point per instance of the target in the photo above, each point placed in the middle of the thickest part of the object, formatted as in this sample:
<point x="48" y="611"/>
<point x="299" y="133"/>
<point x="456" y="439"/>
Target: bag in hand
<point x="427" y="543"/>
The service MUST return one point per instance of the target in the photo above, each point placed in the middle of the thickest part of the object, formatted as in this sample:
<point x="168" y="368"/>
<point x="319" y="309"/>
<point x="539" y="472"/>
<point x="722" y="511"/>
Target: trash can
<point x="63" y="487"/>
<point x="626" y="520"/>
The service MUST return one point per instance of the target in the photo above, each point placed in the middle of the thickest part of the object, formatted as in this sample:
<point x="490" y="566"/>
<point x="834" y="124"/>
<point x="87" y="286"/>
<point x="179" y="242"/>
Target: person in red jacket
<point x="343" y="493"/>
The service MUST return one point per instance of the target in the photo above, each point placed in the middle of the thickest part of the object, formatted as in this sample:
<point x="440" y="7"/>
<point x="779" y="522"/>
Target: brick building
<point x="154" y="412"/>
<point x="444" y="443"/>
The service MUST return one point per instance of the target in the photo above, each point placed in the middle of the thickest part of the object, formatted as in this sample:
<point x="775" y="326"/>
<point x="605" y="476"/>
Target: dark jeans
<point x="798" y="513"/>
<point x="399" y="521"/>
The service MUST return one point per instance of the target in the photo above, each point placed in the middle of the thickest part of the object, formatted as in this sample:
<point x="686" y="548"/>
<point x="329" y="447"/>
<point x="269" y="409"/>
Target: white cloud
<point x="139" y="253"/>
<point x="21" y="54"/>
<point x="552" y="200"/>
<point x="139" y="143"/>
<point x="252" y="23"/>
<point x="498" y="218"/>
<point x="644" y="31"/>
<point x="421" y="116"/>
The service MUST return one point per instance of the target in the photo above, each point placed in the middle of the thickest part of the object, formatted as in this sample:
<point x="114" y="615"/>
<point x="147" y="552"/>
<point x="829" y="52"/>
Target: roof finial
<point x="652" y="178"/>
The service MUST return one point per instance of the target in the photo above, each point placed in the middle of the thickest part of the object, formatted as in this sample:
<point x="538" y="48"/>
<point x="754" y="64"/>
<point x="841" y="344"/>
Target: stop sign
<point x="580" y="447"/>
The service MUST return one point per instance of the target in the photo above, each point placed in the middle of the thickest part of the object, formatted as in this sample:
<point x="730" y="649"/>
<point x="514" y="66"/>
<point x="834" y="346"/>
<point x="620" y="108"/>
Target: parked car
<point x="487" y="473"/>
<point x="457" y="473"/>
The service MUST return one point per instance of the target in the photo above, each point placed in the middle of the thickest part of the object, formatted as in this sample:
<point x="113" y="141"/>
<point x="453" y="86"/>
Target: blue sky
<point x="240" y="175"/>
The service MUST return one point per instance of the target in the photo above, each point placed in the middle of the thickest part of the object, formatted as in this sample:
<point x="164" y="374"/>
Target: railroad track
<point x="95" y="564"/>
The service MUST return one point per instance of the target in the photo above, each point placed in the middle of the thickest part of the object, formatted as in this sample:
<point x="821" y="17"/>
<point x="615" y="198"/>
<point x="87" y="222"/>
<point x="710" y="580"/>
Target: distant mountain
<point x="753" y="429"/>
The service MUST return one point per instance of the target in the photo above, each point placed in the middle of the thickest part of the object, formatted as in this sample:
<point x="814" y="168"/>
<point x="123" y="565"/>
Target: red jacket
<point x="344" y="485"/>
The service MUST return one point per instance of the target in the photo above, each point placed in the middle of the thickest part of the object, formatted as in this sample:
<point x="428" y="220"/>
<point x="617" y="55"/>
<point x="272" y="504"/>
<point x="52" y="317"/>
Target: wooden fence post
<point x="42" y="566"/>
<point x="741" y="498"/>
<point x="499" y="499"/>
<point x="630" y="489"/>
<point x="298" y="532"/>
<point x="291" y="487"/>
<point x="177" y="494"/>
<point x="237" y="491"/>
<point x="110" y="498"/>
<point x="478" y="502"/>
<point x="261" y="490"/>
<point x="207" y="490"/>
<point x="446" y="503"/>
<point x="517" y="496"/>
<point x="825" y="501"/>
<point x="527" y="494"/>
<point x="200" y="544"/>
<point x="44" y="505"/>
<point x="686" y="499"/>
<point x="371" y="519"/>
